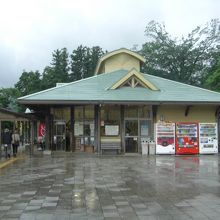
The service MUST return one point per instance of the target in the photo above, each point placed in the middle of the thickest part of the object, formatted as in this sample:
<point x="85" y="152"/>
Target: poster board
<point x="78" y="129"/>
<point x="144" y="129"/>
<point x="111" y="130"/>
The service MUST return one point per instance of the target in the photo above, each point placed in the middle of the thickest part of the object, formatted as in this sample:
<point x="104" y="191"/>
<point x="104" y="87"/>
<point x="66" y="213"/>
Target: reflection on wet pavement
<point x="87" y="186"/>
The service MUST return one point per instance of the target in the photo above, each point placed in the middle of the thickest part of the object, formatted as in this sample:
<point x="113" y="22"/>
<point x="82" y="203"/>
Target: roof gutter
<point x="71" y="102"/>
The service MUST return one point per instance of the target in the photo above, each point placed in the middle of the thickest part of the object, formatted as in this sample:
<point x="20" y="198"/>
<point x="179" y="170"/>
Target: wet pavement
<point x="86" y="186"/>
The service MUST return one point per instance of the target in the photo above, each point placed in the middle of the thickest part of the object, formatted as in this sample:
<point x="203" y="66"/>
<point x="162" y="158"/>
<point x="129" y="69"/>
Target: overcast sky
<point x="31" y="29"/>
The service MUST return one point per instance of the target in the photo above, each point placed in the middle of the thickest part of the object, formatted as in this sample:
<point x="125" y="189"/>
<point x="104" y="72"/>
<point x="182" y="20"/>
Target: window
<point x="110" y="120"/>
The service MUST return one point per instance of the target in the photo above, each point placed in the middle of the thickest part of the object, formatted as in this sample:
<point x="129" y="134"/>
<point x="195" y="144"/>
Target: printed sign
<point x="41" y="129"/>
<point x="111" y="130"/>
<point x="78" y="129"/>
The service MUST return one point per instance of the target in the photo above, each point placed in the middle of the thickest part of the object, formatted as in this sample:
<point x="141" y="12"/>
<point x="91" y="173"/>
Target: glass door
<point x="131" y="136"/>
<point x="60" y="135"/>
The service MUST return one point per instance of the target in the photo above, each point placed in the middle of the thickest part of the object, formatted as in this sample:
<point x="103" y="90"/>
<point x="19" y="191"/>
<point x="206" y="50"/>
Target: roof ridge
<point x="196" y="87"/>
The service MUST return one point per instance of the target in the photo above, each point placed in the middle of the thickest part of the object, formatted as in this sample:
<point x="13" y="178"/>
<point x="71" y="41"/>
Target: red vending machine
<point x="187" y="139"/>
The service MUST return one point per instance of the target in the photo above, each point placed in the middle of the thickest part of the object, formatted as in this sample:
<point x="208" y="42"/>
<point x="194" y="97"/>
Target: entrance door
<point x="137" y="132"/>
<point x="60" y="135"/>
<point x="131" y="136"/>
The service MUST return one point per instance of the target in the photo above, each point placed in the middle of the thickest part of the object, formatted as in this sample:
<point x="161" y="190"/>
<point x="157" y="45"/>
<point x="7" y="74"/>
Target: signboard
<point x="41" y="129"/>
<point x="91" y="129"/>
<point x="144" y="129"/>
<point x="78" y="129"/>
<point x="111" y="130"/>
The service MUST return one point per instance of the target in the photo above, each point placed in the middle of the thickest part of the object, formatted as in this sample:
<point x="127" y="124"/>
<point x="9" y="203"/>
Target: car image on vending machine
<point x="187" y="140"/>
<point x="208" y="138"/>
<point x="165" y="138"/>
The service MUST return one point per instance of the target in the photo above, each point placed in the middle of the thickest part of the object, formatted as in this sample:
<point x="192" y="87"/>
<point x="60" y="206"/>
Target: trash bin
<point x="144" y="146"/>
<point x="152" y="148"/>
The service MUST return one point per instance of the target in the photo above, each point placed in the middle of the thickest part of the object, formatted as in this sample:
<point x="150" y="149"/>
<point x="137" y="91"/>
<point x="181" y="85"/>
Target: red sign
<point x="41" y="129"/>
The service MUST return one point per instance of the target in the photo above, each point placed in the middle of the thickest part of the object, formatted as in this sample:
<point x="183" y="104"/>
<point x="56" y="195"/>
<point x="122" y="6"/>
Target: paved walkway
<point x="86" y="186"/>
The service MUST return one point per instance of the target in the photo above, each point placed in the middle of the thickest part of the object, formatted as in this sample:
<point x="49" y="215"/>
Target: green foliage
<point x="29" y="82"/>
<point x="58" y="71"/>
<point x="83" y="62"/>
<point x="185" y="60"/>
<point x="8" y="98"/>
<point x="78" y="67"/>
<point x="95" y="53"/>
<point x="213" y="80"/>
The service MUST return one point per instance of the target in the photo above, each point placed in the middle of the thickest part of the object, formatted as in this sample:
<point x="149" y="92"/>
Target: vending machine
<point x="208" y="138"/>
<point x="187" y="139"/>
<point x="165" y="138"/>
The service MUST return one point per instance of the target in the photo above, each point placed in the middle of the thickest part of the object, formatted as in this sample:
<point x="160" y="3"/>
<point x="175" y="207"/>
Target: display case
<point x="165" y="138"/>
<point x="208" y="138"/>
<point x="187" y="140"/>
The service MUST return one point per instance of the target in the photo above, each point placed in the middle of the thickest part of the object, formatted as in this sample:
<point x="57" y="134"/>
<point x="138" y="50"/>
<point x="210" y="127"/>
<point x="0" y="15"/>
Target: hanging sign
<point x="111" y="130"/>
<point x="41" y="129"/>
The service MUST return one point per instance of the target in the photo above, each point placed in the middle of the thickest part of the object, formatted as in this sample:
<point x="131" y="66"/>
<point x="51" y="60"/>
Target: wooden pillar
<point x="29" y="131"/>
<point x="153" y="116"/>
<point x="26" y="132"/>
<point x="0" y="139"/>
<point x="0" y="134"/>
<point x="32" y="138"/>
<point x="97" y="127"/>
<point x="47" y="132"/>
<point x="51" y="131"/>
<point x="72" y="136"/>
<point x="122" y="129"/>
<point x="21" y="132"/>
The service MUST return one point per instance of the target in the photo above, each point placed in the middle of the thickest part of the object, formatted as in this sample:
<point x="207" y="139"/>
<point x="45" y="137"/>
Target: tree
<point x="213" y="80"/>
<point x="77" y="63"/>
<point x="96" y="53"/>
<point x="8" y="98"/>
<point x="60" y="64"/>
<point x="83" y="61"/>
<point x="58" y="72"/>
<point x="187" y="59"/>
<point x="29" y="82"/>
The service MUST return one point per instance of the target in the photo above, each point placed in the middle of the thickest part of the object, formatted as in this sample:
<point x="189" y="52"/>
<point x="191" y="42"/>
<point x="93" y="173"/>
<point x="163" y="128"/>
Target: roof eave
<point x="72" y="102"/>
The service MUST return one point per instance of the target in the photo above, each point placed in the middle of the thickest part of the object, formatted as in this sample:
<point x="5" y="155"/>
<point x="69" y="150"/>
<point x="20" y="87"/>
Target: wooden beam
<point x="187" y="110"/>
<point x="217" y="111"/>
<point x="154" y="111"/>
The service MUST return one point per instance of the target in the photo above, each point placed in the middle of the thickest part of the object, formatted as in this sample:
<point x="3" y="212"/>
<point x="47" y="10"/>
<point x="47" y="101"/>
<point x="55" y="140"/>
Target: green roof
<point x="96" y="90"/>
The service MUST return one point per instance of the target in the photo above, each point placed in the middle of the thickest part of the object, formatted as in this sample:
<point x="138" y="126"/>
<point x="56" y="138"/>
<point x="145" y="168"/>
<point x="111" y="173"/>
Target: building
<point x="117" y="108"/>
<point x="11" y="120"/>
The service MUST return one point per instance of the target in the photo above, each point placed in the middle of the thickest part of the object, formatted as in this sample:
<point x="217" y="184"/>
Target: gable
<point x="119" y="59"/>
<point x="134" y="79"/>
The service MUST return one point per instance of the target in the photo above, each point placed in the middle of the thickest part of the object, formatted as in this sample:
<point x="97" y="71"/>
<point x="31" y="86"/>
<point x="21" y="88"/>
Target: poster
<point x="111" y="130"/>
<point x="144" y="129"/>
<point x="41" y="129"/>
<point x="91" y="129"/>
<point x="78" y="129"/>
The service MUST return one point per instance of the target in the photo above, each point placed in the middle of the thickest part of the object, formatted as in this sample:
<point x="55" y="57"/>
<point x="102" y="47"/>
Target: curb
<point x="10" y="161"/>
